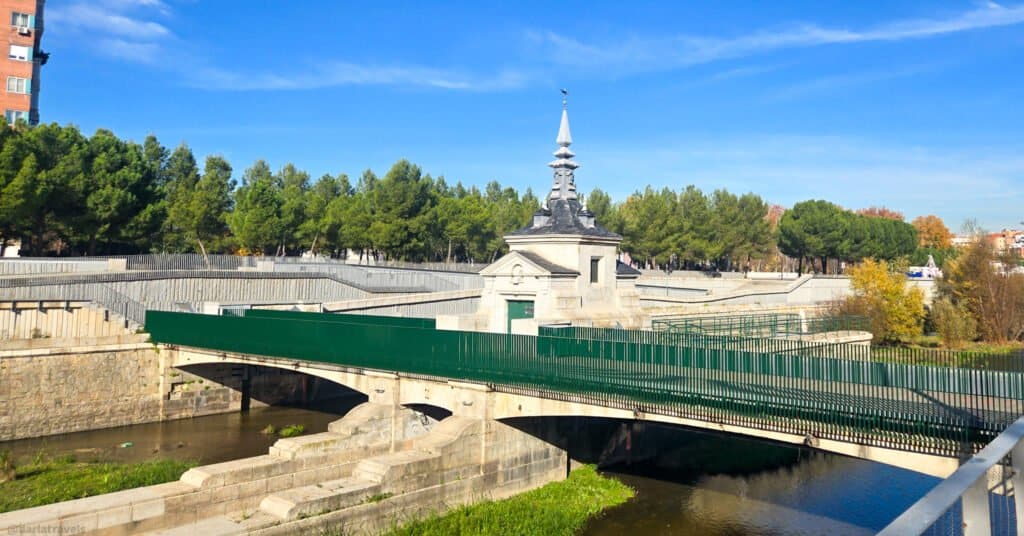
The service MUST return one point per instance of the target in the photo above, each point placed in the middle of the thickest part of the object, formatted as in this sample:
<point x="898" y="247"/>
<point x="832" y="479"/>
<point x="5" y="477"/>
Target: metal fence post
<point x="1017" y="479"/>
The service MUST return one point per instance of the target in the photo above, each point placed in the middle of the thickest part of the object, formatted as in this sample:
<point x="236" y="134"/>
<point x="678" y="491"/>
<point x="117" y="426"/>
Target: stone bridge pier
<point x="387" y="461"/>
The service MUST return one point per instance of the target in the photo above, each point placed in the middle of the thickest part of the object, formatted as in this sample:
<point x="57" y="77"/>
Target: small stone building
<point x="562" y="269"/>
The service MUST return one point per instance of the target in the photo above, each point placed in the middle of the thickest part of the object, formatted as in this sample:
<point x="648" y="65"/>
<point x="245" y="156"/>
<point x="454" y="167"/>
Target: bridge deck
<point x="919" y="408"/>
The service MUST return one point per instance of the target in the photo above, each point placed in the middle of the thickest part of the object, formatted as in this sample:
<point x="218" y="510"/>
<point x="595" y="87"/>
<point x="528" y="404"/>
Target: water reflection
<point x="712" y="487"/>
<point x="210" y="439"/>
<point x="687" y="483"/>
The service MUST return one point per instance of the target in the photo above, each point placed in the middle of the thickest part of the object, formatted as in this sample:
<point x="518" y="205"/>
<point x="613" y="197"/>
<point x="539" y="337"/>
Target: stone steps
<point x="211" y="526"/>
<point x="327" y="496"/>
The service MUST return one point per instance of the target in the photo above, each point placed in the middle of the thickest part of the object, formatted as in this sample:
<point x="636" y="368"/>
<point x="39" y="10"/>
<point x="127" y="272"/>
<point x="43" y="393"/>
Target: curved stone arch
<point x="379" y="387"/>
<point x="475" y="400"/>
<point x="350" y="379"/>
<point x="512" y="405"/>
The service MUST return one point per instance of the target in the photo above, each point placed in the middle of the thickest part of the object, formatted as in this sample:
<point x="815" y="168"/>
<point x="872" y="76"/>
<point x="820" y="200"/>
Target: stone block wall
<point x="58" y="390"/>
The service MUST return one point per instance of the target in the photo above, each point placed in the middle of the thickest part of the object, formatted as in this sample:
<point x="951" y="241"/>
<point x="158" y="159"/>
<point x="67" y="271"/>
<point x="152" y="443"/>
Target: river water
<point x="703" y="485"/>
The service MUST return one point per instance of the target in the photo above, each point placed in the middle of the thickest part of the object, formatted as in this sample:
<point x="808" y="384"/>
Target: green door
<point x="518" y="309"/>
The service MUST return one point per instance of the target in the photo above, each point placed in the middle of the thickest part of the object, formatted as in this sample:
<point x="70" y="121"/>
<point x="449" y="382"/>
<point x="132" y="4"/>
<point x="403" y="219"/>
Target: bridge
<point x="828" y="396"/>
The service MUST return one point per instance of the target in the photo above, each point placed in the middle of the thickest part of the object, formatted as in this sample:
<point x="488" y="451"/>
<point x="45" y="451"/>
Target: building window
<point x="21" y="53"/>
<point x="18" y="85"/>
<point x="13" y="116"/>
<point x="595" y="269"/>
<point x="21" y="20"/>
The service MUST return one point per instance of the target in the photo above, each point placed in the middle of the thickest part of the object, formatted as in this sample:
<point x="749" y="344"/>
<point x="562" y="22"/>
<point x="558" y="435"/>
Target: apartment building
<point x="20" y="100"/>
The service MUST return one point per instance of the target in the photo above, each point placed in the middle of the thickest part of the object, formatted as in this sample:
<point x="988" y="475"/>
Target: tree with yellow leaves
<point x="880" y="292"/>
<point x="932" y="232"/>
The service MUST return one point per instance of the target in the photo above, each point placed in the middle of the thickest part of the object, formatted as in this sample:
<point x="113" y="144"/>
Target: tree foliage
<point x="880" y="292"/>
<point x="821" y="230"/>
<point x="881" y="212"/>
<point x="994" y="299"/>
<point x="64" y="193"/>
<point x="932" y="232"/>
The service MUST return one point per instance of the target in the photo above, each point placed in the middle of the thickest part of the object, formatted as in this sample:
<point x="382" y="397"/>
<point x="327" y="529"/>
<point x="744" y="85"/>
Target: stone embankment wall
<point x="378" y="466"/>
<point x="56" y="386"/>
<point x="54" y="390"/>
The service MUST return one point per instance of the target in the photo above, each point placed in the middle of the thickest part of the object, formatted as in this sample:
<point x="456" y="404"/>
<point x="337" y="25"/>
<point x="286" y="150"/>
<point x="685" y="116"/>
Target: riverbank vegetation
<point x="559" y="508"/>
<point x="47" y="480"/>
<point x="978" y="308"/>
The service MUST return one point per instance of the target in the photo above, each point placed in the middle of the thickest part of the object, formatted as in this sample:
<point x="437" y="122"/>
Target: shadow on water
<point x="208" y="439"/>
<point x="697" y="483"/>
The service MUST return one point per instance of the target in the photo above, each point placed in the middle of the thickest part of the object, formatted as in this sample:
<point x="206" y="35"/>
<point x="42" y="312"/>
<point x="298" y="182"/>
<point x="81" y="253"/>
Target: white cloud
<point x="126" y="31"/>
<point x="338" y="73"/>
<point x="670" y="52"/>
<point x="134" y="51"/>
<point x="832" y="83"/>
<point x="105" y="19"/>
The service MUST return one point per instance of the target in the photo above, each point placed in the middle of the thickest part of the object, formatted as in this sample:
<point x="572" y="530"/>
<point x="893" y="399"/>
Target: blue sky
<point x="918" y="106"/>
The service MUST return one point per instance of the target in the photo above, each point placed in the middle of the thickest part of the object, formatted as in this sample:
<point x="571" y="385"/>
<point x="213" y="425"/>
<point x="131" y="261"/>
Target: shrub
<point x="7" y="470"/>
<point x="292" y="430"/>
<point x="954" y="323"/>
<point x="994" y="299"/>
<point x="880" y="293"/>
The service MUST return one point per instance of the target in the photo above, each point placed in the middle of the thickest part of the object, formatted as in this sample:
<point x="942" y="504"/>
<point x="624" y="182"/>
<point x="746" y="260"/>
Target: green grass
<point x="51" y="480"/>
<point x="559" y="508"/>
<point x="933" y="341"/>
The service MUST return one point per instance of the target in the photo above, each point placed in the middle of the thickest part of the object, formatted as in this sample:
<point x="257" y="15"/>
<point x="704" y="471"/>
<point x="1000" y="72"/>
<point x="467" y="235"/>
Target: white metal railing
<point x="196" y="261"/>
<point x="980" y="511"/>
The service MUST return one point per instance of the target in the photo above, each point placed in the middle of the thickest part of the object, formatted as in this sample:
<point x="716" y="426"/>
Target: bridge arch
<point x="429" y="397"/>
<point x="475" y="400"/>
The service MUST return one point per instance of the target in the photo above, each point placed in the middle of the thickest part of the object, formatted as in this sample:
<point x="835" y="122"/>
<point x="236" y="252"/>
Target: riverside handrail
<point x="935" y="357"/>
<point x="111" y="277"/>
<point x="761" y="324"/>
<point x="969" y="485"/>
<point x="198" y="262"/>
<point x="935" y="410"/>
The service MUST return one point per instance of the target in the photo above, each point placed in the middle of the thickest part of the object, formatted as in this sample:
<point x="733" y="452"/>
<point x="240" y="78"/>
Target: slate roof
<point x="563" y="218"/>
<point x="546" y="264"/>
<point x="624" y="269"/>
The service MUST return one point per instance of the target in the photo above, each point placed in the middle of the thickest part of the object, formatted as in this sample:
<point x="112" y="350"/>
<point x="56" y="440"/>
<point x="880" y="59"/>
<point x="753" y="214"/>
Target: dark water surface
<point x="820" y="494"/>
<point x="210" y="439"/>
<point x="689" y="483"/>
<point x="692" y="483"/>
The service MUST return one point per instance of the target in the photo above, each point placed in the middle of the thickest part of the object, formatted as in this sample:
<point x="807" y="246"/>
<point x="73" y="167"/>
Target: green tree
<point x="212" y="204"/>
<point x="256" y="220"/>
<point x="18" y="200"/>
<point x="181" y="174"/>
<point x="294" y="185"/>
<point x="318" y="229"/>
<point x="813" y="228"/>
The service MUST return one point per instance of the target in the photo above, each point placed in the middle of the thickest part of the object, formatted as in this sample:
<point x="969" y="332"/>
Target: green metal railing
<point x="428" y="323"/>
<point x="821" y="347"/>
<point x="760" y="325"/>
<point x="773" y="384"/>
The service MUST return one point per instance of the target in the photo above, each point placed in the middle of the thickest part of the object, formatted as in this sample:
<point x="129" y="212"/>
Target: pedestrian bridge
<point x="828" y="396"/>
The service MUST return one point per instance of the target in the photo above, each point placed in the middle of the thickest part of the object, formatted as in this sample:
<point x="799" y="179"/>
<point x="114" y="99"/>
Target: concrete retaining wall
<point x="56" y="320"/>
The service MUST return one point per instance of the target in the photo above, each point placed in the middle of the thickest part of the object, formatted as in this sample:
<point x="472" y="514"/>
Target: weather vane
<point x="565" y="97"/>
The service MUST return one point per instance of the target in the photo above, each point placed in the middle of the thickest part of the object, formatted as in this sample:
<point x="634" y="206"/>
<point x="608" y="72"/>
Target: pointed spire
<point x="564" y="137"/>
<point x="564" y="186"/>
